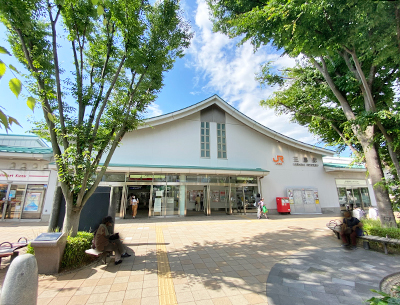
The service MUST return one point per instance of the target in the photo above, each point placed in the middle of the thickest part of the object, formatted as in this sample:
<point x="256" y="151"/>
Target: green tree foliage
<point x="343" y="89"/>
<point x="15" y="86"/>
<point x="119" y="51"/>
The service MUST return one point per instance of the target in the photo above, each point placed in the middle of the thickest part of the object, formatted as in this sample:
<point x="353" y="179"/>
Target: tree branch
<point x="58" y="81"/>
<point x="346" y="141"/>
<point x="104" y="103"/>
<point x="348" y="112"/>
<point x="97" y="102"/>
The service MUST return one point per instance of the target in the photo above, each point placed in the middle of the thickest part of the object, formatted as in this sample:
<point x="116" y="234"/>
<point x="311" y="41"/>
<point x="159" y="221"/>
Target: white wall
<point x="48" y="201"/>
<point x="177" y="143"/>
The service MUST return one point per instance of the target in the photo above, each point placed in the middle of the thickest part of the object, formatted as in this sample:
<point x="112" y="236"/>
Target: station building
<point x="210" y="150"/>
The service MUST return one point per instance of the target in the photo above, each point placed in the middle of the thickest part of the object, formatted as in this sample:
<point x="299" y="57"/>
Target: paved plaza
<point x="220" y="259"/>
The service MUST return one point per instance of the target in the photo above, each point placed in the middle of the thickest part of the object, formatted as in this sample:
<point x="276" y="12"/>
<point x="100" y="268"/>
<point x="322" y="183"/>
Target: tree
<point x="120" y="51"/>
<point x="352" y="47"/>
<point x="15" y="87"/>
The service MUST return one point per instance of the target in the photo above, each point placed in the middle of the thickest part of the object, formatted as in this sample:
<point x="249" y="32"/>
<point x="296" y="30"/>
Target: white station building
<point x="210" y="150"/>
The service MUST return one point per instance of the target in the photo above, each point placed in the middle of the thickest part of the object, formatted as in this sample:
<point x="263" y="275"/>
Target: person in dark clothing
<point x="103" y="242"/>
<point x="351" y="226"/>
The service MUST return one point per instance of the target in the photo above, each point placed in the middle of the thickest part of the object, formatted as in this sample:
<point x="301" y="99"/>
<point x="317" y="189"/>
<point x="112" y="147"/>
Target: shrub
<point x="385" y="299"/>
<point x="74" y="254"/>
<point x="30" y="250"/>
<point x="373" y="227"/>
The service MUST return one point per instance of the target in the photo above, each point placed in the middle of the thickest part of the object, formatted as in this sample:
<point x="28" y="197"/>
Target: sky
<point x="213" y="64"/>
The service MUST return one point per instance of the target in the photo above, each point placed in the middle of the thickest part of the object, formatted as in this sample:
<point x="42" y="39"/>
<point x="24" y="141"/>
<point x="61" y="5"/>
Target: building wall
<point x="177" y="143"/>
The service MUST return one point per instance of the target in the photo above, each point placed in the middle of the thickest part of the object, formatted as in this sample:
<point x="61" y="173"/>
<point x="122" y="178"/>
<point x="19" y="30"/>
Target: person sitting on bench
<point x="106" y="242"/>
<point x="351" y="226"/>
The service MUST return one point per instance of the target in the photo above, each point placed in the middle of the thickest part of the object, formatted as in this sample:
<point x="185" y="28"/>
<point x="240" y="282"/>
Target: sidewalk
<point x="218" y="260"/>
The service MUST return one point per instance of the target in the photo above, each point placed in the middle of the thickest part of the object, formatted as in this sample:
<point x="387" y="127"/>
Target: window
<point x="221" y="138"/>
<point x="205" y="140"/>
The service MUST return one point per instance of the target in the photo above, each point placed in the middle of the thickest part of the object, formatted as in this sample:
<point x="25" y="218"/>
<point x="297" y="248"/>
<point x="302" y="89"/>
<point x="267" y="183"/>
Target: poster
<point x="193" y="195"/>
<point x="316" y="197"/>
<point x="309" y="196"/>
<point x="157" y="205"/>
<point x="32" y="202"/>
<point x="215" y="196"/>
<point x="12" y="194"/>
<point x="298" y="199"/>
<point x="222" y="195"/>
<point x="290" y="195"/>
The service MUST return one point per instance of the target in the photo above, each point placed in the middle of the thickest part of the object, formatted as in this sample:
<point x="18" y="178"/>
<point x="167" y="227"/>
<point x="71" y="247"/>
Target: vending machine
<point x="283" y="205"/>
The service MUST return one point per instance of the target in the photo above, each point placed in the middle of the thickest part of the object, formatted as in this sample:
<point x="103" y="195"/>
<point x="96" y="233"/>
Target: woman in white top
<point x="134" y="204"/>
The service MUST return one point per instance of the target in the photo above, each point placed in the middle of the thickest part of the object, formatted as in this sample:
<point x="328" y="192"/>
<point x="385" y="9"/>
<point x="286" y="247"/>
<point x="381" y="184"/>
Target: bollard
<point x="20" y="286"/>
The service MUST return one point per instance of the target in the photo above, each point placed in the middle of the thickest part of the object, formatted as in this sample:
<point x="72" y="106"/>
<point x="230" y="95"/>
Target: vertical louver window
<point x="205" y="140"/>
<point x="221" y="138"/>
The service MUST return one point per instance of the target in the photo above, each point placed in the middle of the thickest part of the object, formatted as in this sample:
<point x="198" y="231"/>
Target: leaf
<point x="12" y="120"/>
<point x="31" y="102"/>
<point x="3" y="119"/>
<point x="4" y="51"/>
<point x="2" y="69"/>
<point x="95" y="2"/>
<point x="50" y="116"/>
<point x="15" y="86"/>
<point x="13" y="68"/>
<point x="105" y="22"/>
<point x="100" y="10"/>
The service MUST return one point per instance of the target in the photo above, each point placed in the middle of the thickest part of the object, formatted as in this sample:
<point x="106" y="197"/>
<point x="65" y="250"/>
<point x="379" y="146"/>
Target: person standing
<point x="134" y="204"/>
<point x="201" y="203"/>
<point x="262" y="209"/>
<point x="197" y="203"/>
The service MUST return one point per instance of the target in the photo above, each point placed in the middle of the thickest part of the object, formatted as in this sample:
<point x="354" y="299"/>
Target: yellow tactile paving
<point x="166" y="290"/>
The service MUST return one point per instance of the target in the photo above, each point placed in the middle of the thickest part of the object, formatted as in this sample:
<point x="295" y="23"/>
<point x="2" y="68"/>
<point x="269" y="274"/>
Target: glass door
<point x="15" y="197"/>
<point x="172" y="200"/>
<point x="357" y="198"/>
<point x="366" y="201"/>
<point x="3" y="198"/>
<point x="158" y="198"/>
<point x="33" y="201"/>
<point x="240" y="200"/>
<point x="350" y="199"/>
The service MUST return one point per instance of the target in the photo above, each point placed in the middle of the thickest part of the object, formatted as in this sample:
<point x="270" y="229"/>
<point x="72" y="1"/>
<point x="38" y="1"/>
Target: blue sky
<point x="213" y="64"/>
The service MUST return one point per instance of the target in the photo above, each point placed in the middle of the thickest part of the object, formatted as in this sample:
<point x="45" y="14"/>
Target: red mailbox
<point x="283" y="204"/>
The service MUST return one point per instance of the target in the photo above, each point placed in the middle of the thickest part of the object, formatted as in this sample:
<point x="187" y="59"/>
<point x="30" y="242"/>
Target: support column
<point x="182" y="195"/>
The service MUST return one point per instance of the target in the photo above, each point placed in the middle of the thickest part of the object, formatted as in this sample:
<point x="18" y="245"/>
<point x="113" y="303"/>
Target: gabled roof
<point x="215" y="99"/>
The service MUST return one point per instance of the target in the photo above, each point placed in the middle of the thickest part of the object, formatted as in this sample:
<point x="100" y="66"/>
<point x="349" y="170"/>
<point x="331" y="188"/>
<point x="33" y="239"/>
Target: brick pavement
<point x="194" y="260"/>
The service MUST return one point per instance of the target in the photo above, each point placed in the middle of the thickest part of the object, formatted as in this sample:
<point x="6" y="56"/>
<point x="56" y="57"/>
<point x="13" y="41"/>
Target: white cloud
<point x="229" y="71"/>
<point x="153" y="110"/>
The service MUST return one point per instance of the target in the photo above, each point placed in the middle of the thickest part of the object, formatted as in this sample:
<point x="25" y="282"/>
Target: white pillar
<point x="182" y="195"/>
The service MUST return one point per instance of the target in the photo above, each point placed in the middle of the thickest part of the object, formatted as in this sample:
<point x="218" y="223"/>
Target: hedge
<point x="74" y="253"/>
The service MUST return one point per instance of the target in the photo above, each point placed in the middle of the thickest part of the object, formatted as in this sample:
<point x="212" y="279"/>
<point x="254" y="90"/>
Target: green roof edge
<point x="186" y="167"/>
<point x="338" y="165"/>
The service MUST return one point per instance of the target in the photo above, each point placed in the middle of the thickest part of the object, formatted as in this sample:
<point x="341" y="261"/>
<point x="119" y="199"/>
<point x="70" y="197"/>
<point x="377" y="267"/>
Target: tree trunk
<point x="71" y="219"/>
<point x="377" y="178"/>
<point x="55" y="211"/>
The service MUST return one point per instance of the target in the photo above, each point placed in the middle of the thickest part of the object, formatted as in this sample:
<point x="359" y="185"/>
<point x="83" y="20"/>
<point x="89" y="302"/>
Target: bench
<point x="98" y="253"/>
<point x="335" y="226"/>
<point x="383" y="240"/>
<point x="10" y="249"/>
